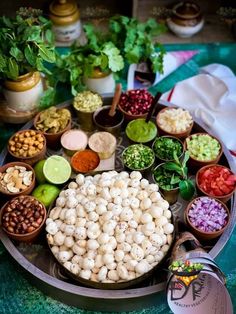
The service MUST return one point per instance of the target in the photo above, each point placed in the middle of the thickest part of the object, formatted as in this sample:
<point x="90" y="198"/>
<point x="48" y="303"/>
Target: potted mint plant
<point x="26" y="42"/>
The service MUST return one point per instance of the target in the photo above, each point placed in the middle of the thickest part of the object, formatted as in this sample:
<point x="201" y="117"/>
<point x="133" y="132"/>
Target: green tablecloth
<point x="18" y="296"/>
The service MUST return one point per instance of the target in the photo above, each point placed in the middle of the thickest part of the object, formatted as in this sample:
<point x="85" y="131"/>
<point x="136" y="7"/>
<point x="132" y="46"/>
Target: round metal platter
<point x="42" y="269"/>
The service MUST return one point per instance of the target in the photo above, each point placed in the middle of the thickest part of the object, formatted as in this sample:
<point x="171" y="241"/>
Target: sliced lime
<point x="57" y="169"/>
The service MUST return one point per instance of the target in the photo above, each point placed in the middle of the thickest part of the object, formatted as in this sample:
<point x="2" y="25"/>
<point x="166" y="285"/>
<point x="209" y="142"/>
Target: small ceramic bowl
<point x="53" y="139"/>
<point x="73" y="141"/>
<point x="196" y="163"/>
<point x="31" y="160"/>
<point x="162" y="146"/>
<point x="200" y="188"/>
<point x="137" y="147"/>
<point x="106" y="123"/>
<point x="15" y="179"/>
<point x="85" y="161"/>
<point x="170" y="195"/>
<point x="19" y="219"/>
<point x="103" y="143"/>
<point x="162" y="131"/>
<point x="128" y="116"/>
<point x="200" y="234"/>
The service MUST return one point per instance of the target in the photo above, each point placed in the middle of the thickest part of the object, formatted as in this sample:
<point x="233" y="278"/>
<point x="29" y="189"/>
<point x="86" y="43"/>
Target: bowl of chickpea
<point x="28" y="146"/>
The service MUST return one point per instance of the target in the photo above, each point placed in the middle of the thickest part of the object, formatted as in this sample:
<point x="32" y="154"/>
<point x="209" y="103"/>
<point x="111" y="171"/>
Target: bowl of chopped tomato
<point x="216" y="181"/>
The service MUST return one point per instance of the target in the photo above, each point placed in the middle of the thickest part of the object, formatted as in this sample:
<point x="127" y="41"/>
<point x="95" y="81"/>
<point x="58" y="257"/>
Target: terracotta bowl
<point x="32" y="159"/>
<point x="223" y="198"/>
<point x="202" y="235"/>
<point x="193" y="162"/>
<point x="53" y="139"/>
<point x="28" y="189"/>
<point x="27" y="237"/>
<point x="129" y="116"/>
<point x="181" y="135"/>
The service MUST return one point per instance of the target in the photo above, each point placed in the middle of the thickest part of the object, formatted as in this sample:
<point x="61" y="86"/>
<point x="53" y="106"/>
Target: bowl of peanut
<point x="16" y="178"/>
<point x="174" y="121"/>
<point x="28" y="146"/>
<point x="23" y="217"/>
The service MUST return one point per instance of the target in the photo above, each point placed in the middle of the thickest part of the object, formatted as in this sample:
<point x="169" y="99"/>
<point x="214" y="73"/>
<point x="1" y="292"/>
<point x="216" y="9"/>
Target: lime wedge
<point x="57" y="169"/>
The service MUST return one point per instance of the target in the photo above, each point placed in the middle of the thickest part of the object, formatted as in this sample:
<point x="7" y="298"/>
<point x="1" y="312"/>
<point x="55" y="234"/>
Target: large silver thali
<point x="42" y="269"/>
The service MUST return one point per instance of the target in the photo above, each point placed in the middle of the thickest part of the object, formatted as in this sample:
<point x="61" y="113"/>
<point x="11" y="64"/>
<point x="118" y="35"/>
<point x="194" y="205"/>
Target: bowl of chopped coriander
<point x="138" y="157"/>
<point x="166" y="147"/>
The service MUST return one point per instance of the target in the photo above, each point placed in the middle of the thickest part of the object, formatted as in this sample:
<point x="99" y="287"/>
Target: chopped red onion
<point x="207" y="214"/>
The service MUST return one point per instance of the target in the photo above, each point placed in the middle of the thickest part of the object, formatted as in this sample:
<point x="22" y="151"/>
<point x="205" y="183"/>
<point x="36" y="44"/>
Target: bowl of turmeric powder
<point x="85" y="161"/>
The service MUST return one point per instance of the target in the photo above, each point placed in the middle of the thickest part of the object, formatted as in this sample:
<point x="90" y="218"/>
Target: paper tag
<point x="205" y="295"/>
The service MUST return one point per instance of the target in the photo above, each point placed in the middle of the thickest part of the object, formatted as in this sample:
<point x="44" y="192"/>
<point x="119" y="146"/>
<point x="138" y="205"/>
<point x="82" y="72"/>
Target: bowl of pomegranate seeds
<point x="135" y="103"/>
<point x="217" y="181"/>
<point x="207" y="217"/>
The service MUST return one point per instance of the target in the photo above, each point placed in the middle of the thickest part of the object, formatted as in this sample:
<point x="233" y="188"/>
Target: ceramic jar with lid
<point x="23" y="94"/>
<point x="65" y="17"/>
<point x="186" y="19"/>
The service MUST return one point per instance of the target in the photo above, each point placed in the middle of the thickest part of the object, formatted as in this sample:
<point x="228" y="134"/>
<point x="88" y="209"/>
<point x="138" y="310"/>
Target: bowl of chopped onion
<point x="207" y="217"/>
<point x="174" y="121"/>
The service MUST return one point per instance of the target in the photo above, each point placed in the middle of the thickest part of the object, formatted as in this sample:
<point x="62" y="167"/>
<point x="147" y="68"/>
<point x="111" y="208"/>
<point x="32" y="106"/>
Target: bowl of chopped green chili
<point x="164" y="148"/>
<point x="138" y="157"/>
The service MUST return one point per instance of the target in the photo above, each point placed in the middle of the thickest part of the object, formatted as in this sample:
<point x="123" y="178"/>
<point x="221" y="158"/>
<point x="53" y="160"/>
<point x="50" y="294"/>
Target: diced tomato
<point x="225" y="189"/>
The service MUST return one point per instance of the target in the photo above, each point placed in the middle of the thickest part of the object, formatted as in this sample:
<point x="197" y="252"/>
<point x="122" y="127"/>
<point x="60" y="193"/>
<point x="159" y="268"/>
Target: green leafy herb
<point x="22" y="43"/>
<point x="186" y="266"/>
<point x="171" y="175"/>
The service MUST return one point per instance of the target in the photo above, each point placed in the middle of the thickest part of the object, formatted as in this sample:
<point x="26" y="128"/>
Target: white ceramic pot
<point x="67" y="33"/>
<point x="24" y="93"/>
<point x="184" y="31"/>
<point x="101" y="85"/>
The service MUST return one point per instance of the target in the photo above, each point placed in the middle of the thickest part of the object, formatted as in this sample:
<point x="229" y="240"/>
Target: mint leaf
<point x="173" y="166"/>
<point x="13" y="69"/>
<point x="174" y="179"/>
<point x="29" y="55"/>
<point x="46" y="54"/>
<point x="16" y="53"/>
<point x="186" y="189"/>
<point x="2" y="63"/>
<point x="186" y="158"/>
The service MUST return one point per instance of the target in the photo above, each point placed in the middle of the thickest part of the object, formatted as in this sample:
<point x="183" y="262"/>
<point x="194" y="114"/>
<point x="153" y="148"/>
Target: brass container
<point x="65" y="17"/>
<point x="23" y="82"/>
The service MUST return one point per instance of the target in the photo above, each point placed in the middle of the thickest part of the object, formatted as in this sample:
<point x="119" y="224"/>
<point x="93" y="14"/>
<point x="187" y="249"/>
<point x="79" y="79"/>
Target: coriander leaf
<point x="115" y="60"/>
<point x="13" y="68"/>
<point x="16" y="53"/>
<point x="187" y="189"/>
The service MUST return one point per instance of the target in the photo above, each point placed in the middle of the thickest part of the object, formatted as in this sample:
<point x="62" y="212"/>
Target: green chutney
<point x="140" y="131"/>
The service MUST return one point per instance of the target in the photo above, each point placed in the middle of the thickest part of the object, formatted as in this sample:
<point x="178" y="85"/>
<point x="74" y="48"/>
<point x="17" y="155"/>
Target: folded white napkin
<point x="211" y="97"/>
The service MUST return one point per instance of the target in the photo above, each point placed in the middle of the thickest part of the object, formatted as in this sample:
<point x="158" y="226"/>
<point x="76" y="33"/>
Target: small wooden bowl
<point x="202" y="235"/>
<point x="27" y="237"/>
<point x="32" y="159"/>
<point x="181" y="135"/>
<point x="26" y="191"/>
<point x="193" y="162"/>
<point x="223" y="198"/>
<point x="76" y="155"/>
<point x="53" y="139"/>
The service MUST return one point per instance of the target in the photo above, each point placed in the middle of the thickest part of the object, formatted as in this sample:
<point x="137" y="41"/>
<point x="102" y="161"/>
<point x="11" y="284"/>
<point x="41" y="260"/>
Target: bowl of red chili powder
<point x="85" y="161"/>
